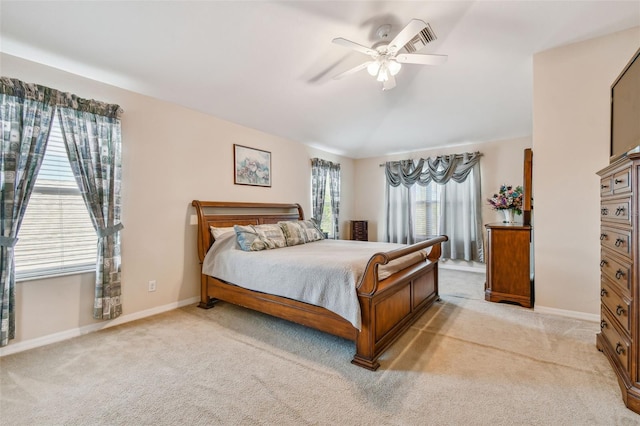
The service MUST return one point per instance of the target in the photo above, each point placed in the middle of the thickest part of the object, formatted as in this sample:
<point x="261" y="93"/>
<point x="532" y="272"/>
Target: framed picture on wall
<point x="251" y="166"/>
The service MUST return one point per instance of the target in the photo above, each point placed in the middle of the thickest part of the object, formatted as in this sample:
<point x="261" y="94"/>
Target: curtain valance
<point x="324" y="164"/>
<point x="440" y="169"/>
<point x="53" y="97"/>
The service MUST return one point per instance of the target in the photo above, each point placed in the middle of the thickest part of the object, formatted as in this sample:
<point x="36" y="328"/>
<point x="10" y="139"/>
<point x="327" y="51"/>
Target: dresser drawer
<point x="606" y="186"/>
<point x="618" y="343"/>
<point x="622" y="181"/>
<point x="617" y="240"/>
<point x="616" y="210"/>
<point x="618" y="272"/>
<point x="619" y="306"/>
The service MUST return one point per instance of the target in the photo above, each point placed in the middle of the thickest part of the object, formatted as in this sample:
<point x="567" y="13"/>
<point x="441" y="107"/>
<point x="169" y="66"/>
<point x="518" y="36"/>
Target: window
<point x="427" y="211"/>
<point x="56" y="236"/>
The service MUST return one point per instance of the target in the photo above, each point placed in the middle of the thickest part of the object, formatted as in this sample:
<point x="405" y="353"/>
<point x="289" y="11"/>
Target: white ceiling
<point x="268" y="65"/>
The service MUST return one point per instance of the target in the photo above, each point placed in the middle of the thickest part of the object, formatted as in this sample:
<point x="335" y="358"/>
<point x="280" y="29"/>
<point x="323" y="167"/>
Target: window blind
<point x="56" y="236"/>
<point x="427" y="213"/>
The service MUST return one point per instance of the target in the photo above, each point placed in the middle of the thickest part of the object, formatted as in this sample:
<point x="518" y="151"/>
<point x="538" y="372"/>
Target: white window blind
<point x="56" y="236"/>
<point x="427" y="210"/>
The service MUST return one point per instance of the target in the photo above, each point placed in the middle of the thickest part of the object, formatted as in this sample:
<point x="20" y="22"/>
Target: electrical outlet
<point x="152" y="285"/>
<point x="193" y="220"/>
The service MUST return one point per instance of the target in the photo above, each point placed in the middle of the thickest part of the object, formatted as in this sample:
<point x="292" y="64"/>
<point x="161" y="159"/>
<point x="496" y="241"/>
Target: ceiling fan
<point x="386" y="59"/>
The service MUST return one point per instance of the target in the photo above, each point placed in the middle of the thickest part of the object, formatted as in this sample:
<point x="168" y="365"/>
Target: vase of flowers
<point x="508" y="200"/>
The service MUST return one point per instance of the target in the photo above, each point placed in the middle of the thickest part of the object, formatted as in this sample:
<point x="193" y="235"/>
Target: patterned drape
<point x="25" y="121"/>
<point x="334" y="185"/>
<point x="460" y="216"/>
<point x="320" y="171"/>
<point x="318" y="185"/>
<point x="93" y="144"/>
<point x="26" y="111"/>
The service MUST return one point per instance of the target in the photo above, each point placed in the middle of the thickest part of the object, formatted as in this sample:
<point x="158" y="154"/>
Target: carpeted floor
<point x="465" y="362"/>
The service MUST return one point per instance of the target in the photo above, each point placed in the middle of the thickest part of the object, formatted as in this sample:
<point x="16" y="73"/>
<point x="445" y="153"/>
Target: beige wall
<point x="171" y="155"/>
<point x="501" y="162"/>
<point x="571" y="91"/>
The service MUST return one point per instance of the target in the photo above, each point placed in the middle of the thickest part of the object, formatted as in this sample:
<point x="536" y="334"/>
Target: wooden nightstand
<point x="359" y="230"/>
<point x="509" y="264"/>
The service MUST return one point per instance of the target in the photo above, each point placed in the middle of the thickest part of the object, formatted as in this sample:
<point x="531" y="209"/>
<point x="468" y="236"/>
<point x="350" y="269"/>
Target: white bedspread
<point x="323" y="273"/>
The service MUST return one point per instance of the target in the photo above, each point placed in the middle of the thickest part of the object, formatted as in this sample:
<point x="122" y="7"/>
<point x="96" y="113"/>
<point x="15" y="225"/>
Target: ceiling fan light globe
<point x="394" y="67"/>
<point x="373" y="68"/>
<point x="383" y="75"/>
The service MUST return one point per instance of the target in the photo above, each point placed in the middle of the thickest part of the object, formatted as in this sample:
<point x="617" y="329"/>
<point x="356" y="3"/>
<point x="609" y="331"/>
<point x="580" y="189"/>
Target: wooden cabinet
<point x="359" y="230"/>
<point x="509" y="264"/>
<point x="619" y="313"/>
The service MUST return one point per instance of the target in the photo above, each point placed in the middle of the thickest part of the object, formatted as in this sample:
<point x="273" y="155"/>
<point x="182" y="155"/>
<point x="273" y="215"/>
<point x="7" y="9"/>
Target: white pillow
<point x="218" y="232"/>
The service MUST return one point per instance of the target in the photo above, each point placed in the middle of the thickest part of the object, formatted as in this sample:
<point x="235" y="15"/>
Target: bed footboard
<point x="390" y="306"/>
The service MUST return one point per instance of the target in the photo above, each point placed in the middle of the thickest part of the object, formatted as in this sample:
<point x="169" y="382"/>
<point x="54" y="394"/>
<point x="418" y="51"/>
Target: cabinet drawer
<point x="616" y="210"/>
<point x="619" y="306"/>
<point x="606" y="186"/>
<point x="622" y="181"/>
<point x="619" y="344"/>
<point x="616" y="271"/>
<point x="617" y="240"/>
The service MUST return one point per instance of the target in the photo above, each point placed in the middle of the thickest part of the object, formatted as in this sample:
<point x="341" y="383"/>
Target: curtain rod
<point x="457" y="156"/>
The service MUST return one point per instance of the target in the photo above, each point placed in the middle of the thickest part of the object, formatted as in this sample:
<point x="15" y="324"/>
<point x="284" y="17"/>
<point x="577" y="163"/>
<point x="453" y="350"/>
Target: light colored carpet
<point x="465" y="362"/>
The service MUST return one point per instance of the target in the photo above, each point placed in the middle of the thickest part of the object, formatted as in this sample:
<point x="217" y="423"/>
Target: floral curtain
<point x="25" y="120"/>
<point x="93" y="144"/>
<point x="460" y="215"/>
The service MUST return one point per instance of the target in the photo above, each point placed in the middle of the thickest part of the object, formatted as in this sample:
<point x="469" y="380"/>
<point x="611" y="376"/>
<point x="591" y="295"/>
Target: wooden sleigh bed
<point x="388" y="306"/>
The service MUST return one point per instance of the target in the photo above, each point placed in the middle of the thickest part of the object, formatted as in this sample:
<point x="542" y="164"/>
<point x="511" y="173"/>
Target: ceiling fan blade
<point x="355" y="46"/>
<point x="405" y="36"/>
<point x="414" y="58"/>
<point x="352" y="70"/>
<point x="390" y="83"/>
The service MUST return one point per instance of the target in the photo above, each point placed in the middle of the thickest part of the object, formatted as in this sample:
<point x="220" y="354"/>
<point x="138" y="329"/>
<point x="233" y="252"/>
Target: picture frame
<point x="251" y="166"/>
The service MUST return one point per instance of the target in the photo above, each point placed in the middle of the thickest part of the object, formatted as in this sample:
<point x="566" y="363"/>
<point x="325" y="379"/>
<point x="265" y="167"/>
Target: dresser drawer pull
<point x="619" y="348"/>
<point x="620" y="310"/>
<point x="617" y="181"/>
<point x="603" y="292"/>
<point x="604" y="186"/>
<point x="603" y="325"/>
<point x="604" y="211"/>
<point x="603" y="236"/>
<point x="619" y="242"/>
<point x="619" y="274"/>
<point x="603" y="262"/>
<point x="619" y="211"/>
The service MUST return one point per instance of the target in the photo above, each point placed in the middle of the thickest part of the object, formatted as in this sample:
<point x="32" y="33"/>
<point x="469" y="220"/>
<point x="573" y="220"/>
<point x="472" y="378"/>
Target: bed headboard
<point x="223" y="214"/>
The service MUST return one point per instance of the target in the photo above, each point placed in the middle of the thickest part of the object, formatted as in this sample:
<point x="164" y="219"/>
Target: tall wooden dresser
<point x="620" y="319"/>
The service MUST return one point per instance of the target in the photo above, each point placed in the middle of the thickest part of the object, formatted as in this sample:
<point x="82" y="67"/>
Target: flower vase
<point x="509" y="216"/>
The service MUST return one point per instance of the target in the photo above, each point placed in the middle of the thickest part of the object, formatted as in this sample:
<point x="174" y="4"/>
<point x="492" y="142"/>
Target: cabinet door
<point x="508" y="267"/>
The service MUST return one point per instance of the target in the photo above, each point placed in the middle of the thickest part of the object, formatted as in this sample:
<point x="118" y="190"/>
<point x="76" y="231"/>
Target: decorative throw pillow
<point x="272" y="234"/>
<point x="218" y="232"/>
<point x="312" y="231"/>
<point x="293" y="233"/>
<point x="249" y="239"/>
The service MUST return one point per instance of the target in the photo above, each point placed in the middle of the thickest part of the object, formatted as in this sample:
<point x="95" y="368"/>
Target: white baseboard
<point x="75" y="332"/>
<point x="568" y="314"/>
<point x="458" y="267"/>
